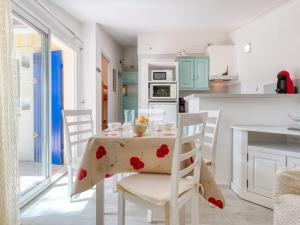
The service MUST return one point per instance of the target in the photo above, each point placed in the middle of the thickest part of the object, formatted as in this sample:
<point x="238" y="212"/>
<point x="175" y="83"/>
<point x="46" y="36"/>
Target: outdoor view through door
<point x="30" y="55"/>
<point x="38" y="162"/>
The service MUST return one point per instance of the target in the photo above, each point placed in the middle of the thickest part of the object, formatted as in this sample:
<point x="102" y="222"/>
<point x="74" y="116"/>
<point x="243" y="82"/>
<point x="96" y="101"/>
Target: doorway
<point x="105" y="77"/>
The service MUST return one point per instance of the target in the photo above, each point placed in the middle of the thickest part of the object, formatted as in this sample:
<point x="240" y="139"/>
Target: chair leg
<point x="121" y="208"/>
<point x="195" y="209"/>
<point x="70" y="182"/>
<point x="149" y="216"/>
<point x="182" y="216"/>
<point x="167" y="215"/>
<point x="114" y="183"/>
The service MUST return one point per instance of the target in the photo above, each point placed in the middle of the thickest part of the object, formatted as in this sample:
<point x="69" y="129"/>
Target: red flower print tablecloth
<point x="112" y="152"/>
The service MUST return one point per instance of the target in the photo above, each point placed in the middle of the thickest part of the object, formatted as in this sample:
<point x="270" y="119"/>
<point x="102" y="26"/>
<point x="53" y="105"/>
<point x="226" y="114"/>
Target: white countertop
<point x="209" y="95"/>
<point x="267" y="129"/>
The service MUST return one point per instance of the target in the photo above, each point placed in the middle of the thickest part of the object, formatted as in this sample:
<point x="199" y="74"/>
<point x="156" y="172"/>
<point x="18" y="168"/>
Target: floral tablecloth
<point x="111" y="152"/>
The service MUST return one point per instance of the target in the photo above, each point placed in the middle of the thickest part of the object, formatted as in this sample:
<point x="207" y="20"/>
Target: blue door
<point x="37" y="93"/>
<point x="57" y="106"/>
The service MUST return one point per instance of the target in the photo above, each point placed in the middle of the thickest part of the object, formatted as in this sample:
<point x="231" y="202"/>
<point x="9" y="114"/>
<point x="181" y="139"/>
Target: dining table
<point x="120" y="151"/>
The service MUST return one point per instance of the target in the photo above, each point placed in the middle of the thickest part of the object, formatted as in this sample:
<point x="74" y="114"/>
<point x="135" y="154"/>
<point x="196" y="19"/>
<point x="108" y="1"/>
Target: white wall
<point x="171" y="43"/>
<point x="275" y="47"/>
<point x="96" y="44"/>
<point x="130" y="58"/>
<point x="106" y="46"/>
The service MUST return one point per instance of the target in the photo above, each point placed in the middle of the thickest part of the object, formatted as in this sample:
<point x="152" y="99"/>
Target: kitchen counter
<point x="265" y="110"/>
<point x="208" y="95"/>
<point x="267" y="129"/>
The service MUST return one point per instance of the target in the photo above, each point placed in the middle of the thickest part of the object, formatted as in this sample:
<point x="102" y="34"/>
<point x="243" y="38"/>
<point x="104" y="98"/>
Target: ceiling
<point x="125" y="19"/>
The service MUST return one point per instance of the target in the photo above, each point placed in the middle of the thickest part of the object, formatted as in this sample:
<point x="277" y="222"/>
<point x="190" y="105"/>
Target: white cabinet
<point x="261" y="170"/>
<point x="293" y="162"/>
<point x="170" y="109"/>
<point x="258" y="152"/>
<point x="221" y="57"/>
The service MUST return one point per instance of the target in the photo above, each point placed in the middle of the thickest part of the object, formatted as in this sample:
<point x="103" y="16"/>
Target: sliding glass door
<point x="31" y="49"/>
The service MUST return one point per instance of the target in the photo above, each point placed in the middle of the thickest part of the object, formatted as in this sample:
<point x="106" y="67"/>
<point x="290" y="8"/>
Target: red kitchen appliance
<point x="284" y="83"/>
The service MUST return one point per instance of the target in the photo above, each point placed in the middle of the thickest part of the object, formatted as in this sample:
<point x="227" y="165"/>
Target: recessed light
<point x="247" y="48"/>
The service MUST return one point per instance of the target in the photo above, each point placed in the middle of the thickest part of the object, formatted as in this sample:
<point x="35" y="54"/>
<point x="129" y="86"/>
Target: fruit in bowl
<point x="139" y="129"/>
<point x="143" y="120"/>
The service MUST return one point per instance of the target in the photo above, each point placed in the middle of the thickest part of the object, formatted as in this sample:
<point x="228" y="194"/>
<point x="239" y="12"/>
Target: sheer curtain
<point x="9" y="185"/>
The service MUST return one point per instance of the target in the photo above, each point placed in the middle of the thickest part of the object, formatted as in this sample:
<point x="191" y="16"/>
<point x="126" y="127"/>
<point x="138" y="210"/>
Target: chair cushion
<point x="287" y="210"/>
<point x="155" y="188"/>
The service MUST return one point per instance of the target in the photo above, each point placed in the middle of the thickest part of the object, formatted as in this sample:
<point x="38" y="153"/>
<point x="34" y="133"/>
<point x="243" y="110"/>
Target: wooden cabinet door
<point x="201" y="73"/>
<point x="261" y="170"/>
<point x="293" y="162"/>
<point x="186" y="73"/>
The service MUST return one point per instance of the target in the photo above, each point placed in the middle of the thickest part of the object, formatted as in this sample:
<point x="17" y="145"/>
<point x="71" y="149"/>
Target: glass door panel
<point x="30" y="50"/>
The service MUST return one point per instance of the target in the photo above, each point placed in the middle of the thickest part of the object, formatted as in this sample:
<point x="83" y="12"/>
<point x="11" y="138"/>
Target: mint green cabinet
<point x="186" y="73"/>
<point x="130" y="102"/>
<point x="130" y="77"/>
<point x="193" y="72"/>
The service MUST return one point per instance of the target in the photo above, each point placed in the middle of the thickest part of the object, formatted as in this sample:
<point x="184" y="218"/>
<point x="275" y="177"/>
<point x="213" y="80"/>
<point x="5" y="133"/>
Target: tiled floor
<point x="53" y="208"/>
<point x="32" y="173"/>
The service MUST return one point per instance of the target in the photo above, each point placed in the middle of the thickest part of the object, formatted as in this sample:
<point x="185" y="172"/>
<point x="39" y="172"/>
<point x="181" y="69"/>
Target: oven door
<point x="163" y="92"/>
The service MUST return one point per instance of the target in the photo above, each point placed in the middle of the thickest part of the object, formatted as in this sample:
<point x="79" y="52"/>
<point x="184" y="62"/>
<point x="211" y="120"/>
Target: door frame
<point x="27" y="18"/>
<point x="109" y="86"/>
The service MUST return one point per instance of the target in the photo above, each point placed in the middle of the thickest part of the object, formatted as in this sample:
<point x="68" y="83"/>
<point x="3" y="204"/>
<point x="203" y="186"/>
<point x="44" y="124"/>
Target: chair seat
<point x="287" y="210"/>
<point x="154" y="188"/>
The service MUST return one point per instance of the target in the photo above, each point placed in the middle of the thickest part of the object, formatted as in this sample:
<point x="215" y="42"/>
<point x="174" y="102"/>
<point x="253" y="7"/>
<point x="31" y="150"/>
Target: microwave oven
<point x="163" y="92"/>
<point x="162" y="75"/>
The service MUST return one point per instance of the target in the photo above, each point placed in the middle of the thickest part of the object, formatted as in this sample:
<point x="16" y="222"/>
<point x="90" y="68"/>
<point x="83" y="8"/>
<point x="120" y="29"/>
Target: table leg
<point x="100" y="203"/>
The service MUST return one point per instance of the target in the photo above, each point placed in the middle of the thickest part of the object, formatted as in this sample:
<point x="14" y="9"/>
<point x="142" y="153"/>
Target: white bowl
<point x="114" y="126"/>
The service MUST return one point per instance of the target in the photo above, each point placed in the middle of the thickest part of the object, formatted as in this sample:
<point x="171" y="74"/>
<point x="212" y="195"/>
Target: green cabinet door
<point x="186" y="73"/>
<point x="130" y="77"/>
<point x="193" y="73"/>
<point x="129" y="103"/>
<point x="201" y="73"/>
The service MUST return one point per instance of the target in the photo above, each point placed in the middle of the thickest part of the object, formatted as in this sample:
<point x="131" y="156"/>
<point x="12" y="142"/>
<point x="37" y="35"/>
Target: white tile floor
<point x="53" y="208"/>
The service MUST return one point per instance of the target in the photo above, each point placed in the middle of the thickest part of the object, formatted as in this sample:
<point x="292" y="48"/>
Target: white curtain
<point x="9" y="185"/>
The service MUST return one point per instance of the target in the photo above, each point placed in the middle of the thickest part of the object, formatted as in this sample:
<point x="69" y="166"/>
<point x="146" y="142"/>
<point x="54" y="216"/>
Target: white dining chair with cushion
<point x="170" y="192"/>
<point x="210" y="139"/>
<point x="287" y="197"/>
<point x="78" y="126"/>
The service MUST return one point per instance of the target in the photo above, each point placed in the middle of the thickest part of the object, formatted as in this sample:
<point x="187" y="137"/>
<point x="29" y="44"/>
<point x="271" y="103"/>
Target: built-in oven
<point x="162" y="75"/>
<point x="162" y="91"/>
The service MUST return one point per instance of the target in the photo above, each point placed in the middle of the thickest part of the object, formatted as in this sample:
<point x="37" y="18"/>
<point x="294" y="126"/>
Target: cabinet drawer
<point x="261" y="171"/>
<point x="293" y="162"/>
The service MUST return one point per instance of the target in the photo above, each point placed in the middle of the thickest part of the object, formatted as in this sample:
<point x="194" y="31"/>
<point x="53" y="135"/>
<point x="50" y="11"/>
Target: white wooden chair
<point x="210" y="138"/>
<point x="78" y="126"/>
<point x="170" y="192"/>
<point x="153" y="114"/>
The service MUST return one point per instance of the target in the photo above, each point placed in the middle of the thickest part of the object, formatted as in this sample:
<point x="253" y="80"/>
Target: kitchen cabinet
<point x="130" y="77"/>
<point x="261" y="171"/>
<point x="130" y="102"/>
<point x="293" y="162"/>
<point x="193" y="72"/>
<point x="258" y="153"/>
<point x="170" y="109"/>
<point x="222" y="59"/>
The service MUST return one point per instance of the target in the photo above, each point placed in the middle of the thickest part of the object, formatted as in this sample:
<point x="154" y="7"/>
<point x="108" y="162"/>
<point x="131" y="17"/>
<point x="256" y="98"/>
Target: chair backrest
<point x="190" y="131"/>
<point x="78" y="126"/>
<point x="211" y="136"/>
<point x="152" y="114"/>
